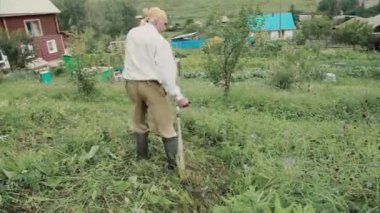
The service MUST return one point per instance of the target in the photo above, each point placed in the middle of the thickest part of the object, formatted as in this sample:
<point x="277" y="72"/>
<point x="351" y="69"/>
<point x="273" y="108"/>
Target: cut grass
<point x="312" y="150"/>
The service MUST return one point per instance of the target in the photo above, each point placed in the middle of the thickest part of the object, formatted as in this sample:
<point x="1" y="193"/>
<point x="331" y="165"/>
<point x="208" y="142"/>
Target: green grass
<point x="200" y="9"/>
<point x="261" y="149"/>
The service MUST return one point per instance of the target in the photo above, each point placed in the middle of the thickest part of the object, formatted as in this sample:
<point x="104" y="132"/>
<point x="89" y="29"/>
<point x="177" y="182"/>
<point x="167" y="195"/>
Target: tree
<point x="333" y="7"/>
<point x="324" y="5"/>
<point x="355" y="33"/>
<point x="295" y="13"/>
<point x="348" y="5"/>
<point x="120" y="17"/>
<point x="316" y="28"/>
<point x="363" y="12"/>
<point x="112" y="17"/>
<point x="73" y="13"/>
<point x="224" y="52"/>
<point x="95" y="16"/>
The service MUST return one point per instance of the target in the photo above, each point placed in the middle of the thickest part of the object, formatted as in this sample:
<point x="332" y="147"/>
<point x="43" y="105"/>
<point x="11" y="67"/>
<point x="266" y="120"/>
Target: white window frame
<point x="39" y="26"/>
<point x="54" y="46"/>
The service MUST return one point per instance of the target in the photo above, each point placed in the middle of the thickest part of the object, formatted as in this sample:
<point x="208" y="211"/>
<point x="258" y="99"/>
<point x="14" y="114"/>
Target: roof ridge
<point x="26" y="7"/>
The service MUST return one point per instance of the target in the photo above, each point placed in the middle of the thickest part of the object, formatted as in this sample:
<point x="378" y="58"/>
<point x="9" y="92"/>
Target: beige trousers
<point x="150" y="96"/>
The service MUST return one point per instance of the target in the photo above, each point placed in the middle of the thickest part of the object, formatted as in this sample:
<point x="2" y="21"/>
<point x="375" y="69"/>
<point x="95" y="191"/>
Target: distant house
<point x="187" y="41"/>
<point x="37" y="19"/>
<point x="276" y="25"/>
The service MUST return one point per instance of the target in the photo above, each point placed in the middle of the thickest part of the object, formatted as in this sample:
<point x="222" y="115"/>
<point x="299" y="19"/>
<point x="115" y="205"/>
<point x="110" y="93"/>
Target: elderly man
<point x="150" y="72"/>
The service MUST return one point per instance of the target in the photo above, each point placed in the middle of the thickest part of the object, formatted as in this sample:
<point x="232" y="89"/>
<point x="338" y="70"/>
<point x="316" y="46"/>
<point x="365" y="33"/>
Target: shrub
<point x="284" y="76"/>
<point x="11" y="47"/>
<point x="92" y="51"/>
<point x="355" y="33"/>
<point x="297" y="66"/>
<point x="57" y="71"/>
<point x="299" y="38"/>
<point x="86" y="81"/>
<point x="316" y="28"/>
<point x="267" y="48"/>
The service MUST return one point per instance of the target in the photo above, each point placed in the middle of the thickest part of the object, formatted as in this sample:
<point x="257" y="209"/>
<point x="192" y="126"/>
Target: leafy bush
<point x="355" y="33"/>
<point x="284" y="75"/>
<point x="92" y="51"/>
<point x="263" y="46"/>
<point x="86" y="79"/>
<point x="57" y="71"/>
<point x="11" y="47"/>
<point x="297" y="66"/>
<point x="299" y="38"/>
<point x="316" y="28"/>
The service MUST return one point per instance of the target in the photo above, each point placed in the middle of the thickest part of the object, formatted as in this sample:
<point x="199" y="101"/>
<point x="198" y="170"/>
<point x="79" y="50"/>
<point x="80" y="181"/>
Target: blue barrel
<point x="46" y="77"/>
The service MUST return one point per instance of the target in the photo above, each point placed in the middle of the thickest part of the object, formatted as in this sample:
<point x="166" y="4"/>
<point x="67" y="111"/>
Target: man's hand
<point x="184" y="102"/>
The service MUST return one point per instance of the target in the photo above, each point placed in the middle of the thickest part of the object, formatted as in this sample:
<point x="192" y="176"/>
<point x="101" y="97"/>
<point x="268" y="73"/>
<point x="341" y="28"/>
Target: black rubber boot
<point x="142" y="145"/>
<point x="171" y="147"/>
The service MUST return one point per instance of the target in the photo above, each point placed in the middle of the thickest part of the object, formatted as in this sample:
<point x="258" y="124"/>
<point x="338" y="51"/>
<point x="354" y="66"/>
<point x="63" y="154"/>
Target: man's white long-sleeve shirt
<point x="148" y="56"/>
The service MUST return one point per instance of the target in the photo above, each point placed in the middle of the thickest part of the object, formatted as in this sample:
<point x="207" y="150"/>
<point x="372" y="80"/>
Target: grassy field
<point x="259" y="150"/>
<point x="200" y="9"/>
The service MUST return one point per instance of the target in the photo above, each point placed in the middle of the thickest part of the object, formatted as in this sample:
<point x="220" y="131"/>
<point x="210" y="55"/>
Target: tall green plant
<point x="86" y="79"/>
<point x="84" y="44"/>
<point x="73" y="13"/>
<point x="224" y="52"/>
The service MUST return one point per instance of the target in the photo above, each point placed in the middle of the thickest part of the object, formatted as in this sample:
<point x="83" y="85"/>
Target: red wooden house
<point x="38" y="19"/>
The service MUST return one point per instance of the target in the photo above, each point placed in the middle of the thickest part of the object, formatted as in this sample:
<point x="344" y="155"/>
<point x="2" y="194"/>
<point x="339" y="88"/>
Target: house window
<point x="33" y="27"/>
<point x="52" y="46"/>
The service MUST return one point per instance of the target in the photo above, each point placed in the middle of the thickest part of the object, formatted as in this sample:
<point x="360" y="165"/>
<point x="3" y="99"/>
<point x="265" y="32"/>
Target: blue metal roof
<point x="271" y="22"/>
<point x="188" y="44"/>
